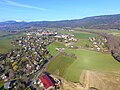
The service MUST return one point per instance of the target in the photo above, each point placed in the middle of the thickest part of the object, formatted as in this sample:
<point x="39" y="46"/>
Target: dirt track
<point x="93" y="80"/>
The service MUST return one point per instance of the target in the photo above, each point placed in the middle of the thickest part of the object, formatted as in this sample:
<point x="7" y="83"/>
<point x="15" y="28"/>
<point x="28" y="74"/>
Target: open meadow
<point x="90" y="60"/>
<point x="5" y="41"/>
<point x="52" y="47"/>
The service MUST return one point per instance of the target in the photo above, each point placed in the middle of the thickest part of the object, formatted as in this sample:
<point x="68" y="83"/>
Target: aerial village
<point x="24" y="67"/>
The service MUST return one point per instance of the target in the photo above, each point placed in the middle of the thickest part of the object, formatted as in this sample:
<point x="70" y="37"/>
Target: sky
<point x="52" y="10"/>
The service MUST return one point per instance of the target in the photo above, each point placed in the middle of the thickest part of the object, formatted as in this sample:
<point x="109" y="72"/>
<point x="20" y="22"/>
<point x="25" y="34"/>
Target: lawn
<point x="52" y="47"/>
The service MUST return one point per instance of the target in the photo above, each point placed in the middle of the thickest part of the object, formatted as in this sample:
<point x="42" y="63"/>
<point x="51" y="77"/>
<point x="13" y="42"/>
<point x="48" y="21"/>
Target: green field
<point x="83" y="35"/>
<point x="4" y="33"/>
<point x="90" y="60"/>
<point x="59" y="65"/>
<point x="5" y="45"/>
<point x="52" y="47"/>
<point x="5" y="42"/>
<point x="86" y="60"/>
<point x="114" y="32"/>
<point x="70" y="69"/>
<point x="84" y="43"/>
<point x="79" y="34"/>
<point x="83" y="38"/>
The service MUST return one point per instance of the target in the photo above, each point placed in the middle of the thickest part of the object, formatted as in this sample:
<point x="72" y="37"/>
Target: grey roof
<point x="7" y="85"/>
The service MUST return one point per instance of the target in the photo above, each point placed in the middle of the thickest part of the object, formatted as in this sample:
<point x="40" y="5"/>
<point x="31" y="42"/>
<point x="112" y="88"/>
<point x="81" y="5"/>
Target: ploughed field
<point x="71" y="68"/>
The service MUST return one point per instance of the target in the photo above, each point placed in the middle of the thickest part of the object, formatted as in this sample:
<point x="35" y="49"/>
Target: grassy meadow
<point x="89" y="60"/>
<point x="59" y="65"/>
<point x="83" y="35"/>
<point x="5" y="42"/>
<point x="5" y="45"/>
<point x="79" y="34"/>
<point x="52" y="47"/>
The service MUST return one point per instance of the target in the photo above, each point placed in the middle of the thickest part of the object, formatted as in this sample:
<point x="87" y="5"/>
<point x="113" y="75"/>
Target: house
<point x="98" y="49"/>
<point x="7" y="85"/>
<point x="3" y="77"/>
<point x="46" y="81"/>
<point x="10" y="85"/>
<point x="94" y="43"/>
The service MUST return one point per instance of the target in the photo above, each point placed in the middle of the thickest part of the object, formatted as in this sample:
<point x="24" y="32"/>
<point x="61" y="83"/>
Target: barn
<point x="47" y="82"/>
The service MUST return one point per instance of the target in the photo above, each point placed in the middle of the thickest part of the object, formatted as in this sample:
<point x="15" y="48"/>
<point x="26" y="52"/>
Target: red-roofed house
<point x="48" y="84"/>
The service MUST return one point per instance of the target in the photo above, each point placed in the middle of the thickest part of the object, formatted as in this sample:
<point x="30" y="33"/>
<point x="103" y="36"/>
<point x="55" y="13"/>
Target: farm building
<point x="46" y="81"/>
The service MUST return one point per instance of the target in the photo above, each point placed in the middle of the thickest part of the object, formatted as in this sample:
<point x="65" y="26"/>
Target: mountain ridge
<point x="94" y="22"/>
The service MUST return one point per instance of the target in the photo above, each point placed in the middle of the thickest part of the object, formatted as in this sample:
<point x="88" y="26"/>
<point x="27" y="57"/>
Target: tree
<point x="15" y="68"/>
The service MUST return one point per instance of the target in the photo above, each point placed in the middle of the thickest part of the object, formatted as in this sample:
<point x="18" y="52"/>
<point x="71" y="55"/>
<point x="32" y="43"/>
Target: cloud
<point x="13" y="3"/>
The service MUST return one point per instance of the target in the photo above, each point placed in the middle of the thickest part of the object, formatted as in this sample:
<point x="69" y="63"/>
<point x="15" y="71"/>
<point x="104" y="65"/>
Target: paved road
<point x="44" y="66"/>
<point x="38" y="73"/>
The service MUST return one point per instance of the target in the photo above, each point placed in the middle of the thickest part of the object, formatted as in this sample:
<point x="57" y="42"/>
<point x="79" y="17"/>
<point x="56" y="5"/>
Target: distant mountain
<point x="11" y="22"/>
<point x="6" y="22"/>
<point x="95" y="22"/>
<point x="12" y="25"/>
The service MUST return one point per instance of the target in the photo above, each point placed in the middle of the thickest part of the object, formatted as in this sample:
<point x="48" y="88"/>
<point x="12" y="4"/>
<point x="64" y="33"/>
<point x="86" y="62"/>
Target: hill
<point x="95" y="22"/>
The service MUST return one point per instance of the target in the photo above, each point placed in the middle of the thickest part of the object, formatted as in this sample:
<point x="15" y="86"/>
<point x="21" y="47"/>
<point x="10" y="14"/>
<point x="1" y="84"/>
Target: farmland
<point x="75" y="60"/>
<point x="52" y="47"/>
<point x="59" y="63"/>
<point x="83" y="35"/>
<point x="5" y="42"/>
<point x="86" y="59"/>
<point x="79" y="34"/>
<point x="90" y="60"/>
<point x="5" y="45"/>
<point x="114" y="32"/>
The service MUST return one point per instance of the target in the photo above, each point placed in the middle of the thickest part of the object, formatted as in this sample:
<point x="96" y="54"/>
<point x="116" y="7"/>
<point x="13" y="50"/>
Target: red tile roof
<point x="46" y="81"/>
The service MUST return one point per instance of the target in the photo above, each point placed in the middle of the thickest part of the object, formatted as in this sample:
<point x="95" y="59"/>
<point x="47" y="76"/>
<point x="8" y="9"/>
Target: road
<point x="38" y="73"/>
<point x="43" y="67"/>
<point x="42" y="70"/>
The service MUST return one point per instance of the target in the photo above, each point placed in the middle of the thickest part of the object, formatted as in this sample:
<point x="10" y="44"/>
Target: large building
<point x="47" y="82"/>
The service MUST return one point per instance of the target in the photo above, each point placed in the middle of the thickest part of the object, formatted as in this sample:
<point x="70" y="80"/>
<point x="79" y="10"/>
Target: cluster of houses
<point x="60" y="49"/>
<point x="67" y="38"/>
<point x="28" y="58"/>
<point x="63" y="36"/>
<point x="42" y="33"/>
<point x="99" y="43"/>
